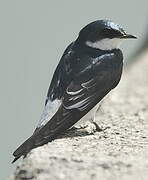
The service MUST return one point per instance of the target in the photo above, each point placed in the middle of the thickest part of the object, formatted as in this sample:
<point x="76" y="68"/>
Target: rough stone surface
<point x="118" y="152"/>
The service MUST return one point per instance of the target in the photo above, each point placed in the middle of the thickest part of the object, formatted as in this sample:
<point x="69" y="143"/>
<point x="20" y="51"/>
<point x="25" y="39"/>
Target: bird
<point x="90" y="67"/>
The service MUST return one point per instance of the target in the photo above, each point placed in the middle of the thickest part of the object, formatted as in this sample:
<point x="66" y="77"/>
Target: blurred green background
<point x="33" y="36"/>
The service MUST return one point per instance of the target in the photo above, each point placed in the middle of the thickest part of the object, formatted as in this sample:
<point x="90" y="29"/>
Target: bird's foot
<point x="98" y="129"/>
<point x="89" y="127"/>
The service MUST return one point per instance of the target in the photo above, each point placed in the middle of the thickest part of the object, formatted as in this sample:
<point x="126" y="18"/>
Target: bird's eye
<point x="111" y="33"/>
<point x="106" y="30"/>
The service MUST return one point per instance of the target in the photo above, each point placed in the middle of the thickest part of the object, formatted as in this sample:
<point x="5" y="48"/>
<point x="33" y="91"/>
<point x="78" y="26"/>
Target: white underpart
<point x="105" y="44"/>
<point x="90" y="116"/>
<point x="49" y="111"/>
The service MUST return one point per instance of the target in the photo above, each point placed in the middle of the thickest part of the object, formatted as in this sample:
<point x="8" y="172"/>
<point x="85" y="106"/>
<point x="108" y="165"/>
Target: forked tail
<point x="23" y="149"/>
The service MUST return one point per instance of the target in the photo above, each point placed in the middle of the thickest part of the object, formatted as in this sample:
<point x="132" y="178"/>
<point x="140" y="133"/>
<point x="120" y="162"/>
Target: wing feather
<point x="79" y="96"/>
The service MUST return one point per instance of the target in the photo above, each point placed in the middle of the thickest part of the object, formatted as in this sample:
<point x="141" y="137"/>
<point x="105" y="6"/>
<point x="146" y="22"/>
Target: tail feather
<point x="15" y="159"/>
<point x="23" y="149"/>
<point x="47" y="133"/>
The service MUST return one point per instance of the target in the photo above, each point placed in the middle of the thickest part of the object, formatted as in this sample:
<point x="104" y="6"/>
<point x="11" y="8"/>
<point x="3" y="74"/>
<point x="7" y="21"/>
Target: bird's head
<point x="103" y="34"/>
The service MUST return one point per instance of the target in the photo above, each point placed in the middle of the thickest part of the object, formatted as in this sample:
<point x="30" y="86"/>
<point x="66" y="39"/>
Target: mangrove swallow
<point x="89" y="69"/>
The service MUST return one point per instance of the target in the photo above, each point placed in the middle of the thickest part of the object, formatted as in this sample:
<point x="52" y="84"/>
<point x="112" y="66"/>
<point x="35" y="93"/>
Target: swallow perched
<point x="89" y="69"/>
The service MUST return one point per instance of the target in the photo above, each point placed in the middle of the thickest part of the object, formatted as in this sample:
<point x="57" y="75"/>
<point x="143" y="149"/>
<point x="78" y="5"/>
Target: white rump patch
<point x="50" y="109"/>
<point x="105" y="44"/>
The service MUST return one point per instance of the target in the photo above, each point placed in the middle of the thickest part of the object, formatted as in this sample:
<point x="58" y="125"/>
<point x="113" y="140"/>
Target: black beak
<point x="126" y="36"/>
